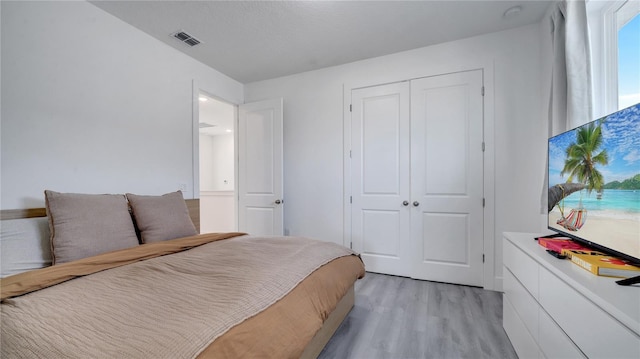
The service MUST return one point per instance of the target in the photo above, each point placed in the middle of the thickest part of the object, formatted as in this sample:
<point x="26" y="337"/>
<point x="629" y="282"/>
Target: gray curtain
<point x="569" y="103"/>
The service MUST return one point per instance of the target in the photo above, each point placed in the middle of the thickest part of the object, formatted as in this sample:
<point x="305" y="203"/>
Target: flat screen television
<point x="594" y="185"/>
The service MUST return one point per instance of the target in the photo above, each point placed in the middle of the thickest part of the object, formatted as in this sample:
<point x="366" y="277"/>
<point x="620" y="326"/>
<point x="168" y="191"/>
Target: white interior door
<point x="447" y="178"/>
<point x="260" y="190"/>
<point x="380" y="177"/>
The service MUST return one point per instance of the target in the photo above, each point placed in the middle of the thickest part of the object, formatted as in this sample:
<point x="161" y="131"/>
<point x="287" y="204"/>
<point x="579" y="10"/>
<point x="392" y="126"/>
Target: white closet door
<point x="380" y="177"/>
<point x="260" y="168"/>
<point x="447" y="178"/>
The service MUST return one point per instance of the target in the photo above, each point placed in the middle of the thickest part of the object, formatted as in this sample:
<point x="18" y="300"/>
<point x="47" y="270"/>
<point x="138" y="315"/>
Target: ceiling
<point x="257" y="40"/>
<point x="216" y="117"/>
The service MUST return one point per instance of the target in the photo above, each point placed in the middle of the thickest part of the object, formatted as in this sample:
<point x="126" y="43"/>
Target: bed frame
<point x="330" y="326"/>
<point x="317" y="343"/>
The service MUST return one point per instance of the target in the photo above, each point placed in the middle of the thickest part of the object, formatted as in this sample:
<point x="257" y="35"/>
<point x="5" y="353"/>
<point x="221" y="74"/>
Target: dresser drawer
<point x="522" y="341"/>
<point x="523" y="303"/>
<point x="522" y="266"/>
<point x="554" y="343"/>
<point x="597" y="333"/>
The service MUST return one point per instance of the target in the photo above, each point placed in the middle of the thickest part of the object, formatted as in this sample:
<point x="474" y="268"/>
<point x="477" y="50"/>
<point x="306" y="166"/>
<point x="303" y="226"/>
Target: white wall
<point x="223" y="160"/>
<point x="217" y="162"/>
<point x="217" y="199"/>
<point x="313" y="128"/>
<point x="206" y="163"/>
<point x="91" y="104"/>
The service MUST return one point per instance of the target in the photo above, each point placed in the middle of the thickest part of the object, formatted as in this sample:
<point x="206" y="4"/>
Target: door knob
<point x="405" y="203"/>
<point x="278" y="201"/>
<point x="416" y="203"/>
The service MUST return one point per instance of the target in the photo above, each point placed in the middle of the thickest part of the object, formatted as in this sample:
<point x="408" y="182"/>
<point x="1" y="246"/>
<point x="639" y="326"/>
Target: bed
<point x="195" y="296"/>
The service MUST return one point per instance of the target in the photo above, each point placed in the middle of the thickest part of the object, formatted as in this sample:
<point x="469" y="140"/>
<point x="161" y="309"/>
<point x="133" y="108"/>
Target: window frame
<point x="615" y="15"/>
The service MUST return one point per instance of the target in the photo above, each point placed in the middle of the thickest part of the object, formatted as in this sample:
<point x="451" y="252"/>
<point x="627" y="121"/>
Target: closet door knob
<point x="405" y="203"/>
<point x="416" y="203"/>
<point x="278" y="201"/>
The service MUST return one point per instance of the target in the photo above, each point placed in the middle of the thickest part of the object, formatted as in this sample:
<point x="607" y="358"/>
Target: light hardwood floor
<point x="396" y="317"/>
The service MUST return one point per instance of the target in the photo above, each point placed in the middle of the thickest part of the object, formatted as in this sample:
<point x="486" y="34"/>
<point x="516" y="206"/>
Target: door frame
<point x="196" y="88"/>
<point x="490" y="281"/>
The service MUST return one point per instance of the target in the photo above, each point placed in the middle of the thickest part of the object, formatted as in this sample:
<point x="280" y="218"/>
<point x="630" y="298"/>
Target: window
<point x="628" y="60"/>
<point x="622" y="55"/>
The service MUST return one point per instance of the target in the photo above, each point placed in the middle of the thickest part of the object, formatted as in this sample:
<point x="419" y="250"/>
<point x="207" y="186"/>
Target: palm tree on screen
<point x="583" y="156"/>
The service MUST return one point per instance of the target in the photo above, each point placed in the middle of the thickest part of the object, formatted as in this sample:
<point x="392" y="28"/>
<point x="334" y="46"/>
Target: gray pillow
<point x="160" y="218"/>
<point x="84" y="225"/>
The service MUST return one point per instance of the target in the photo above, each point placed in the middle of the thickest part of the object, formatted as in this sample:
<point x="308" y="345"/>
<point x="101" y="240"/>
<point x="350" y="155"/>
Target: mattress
<point x="201" y="296"/>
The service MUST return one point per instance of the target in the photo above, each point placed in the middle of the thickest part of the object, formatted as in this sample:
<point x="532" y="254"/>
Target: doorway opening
<point x="217" y="164"/>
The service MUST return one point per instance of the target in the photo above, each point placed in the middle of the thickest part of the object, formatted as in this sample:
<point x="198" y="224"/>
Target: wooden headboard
<point x="193" y="205"/>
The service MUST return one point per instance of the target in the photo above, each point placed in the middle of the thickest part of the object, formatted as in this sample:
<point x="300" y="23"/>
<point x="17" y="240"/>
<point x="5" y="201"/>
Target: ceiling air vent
<point x="186" y="38"/>
<point x="205" y="125"/>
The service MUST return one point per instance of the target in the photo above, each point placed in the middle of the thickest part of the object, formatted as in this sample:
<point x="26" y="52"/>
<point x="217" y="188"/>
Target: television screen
<point x="594" y="183"/>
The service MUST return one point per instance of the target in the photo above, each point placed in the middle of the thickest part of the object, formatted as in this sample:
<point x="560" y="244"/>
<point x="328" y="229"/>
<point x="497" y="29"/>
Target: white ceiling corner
<point x="257" y="40"/>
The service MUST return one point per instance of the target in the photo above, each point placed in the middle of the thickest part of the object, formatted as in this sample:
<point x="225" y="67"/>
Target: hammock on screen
<point x="575" y="220"/>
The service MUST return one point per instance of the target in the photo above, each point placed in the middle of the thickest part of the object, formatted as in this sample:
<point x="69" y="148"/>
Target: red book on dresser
<point x="562" y="245"/>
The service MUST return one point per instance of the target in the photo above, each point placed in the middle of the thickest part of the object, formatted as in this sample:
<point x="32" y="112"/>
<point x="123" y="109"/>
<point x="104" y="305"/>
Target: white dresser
<point x="554" y="309"/>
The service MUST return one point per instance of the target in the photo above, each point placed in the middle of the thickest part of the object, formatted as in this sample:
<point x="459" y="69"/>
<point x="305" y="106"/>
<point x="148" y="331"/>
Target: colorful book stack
<point x="594" y="261"/>
<point x="561" y="245"/>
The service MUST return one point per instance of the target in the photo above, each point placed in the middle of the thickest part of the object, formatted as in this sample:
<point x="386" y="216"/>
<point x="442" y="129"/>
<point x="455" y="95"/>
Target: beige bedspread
<point x="171" y="306"/>
<point x="284" y="329"/>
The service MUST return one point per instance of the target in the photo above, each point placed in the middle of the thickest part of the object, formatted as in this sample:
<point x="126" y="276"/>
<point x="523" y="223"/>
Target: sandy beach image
<point x="620" y="233"/>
